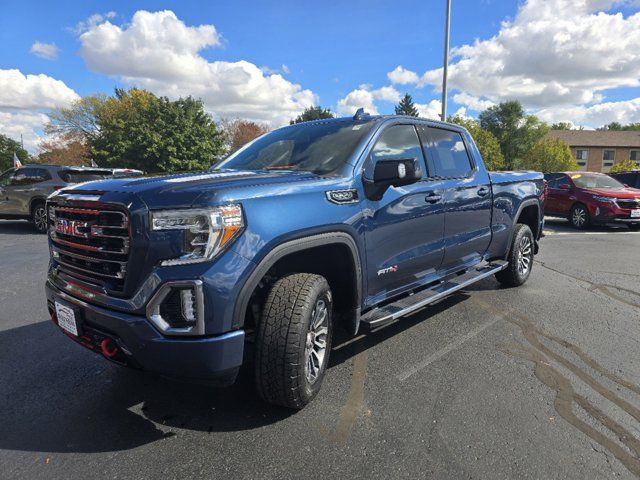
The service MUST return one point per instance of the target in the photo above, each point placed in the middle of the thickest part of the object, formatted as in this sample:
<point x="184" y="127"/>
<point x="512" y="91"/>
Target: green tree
<point x="618" y="127"/>
<point x="486" y="142"/>
<point x="139" y="130"/>
<point x="8" y="146"/>
<point x="625" y="166"/>
<point x="549" y="155"/>
<point x="516" y="132"/>
<point x="561" y="126"/>
<point x="312" y="113"/>
<point x="406" y="106"/>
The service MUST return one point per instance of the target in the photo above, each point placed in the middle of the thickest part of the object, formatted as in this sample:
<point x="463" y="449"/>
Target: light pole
<point x="446" y="62"/>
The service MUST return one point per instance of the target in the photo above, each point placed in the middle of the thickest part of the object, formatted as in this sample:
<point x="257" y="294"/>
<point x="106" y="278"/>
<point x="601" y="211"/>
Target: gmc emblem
<point x="73" y="228"/>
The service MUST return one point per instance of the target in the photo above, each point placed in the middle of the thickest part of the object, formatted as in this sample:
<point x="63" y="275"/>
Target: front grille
<point x="91" y="244"/>
<point x="628" y="202"/>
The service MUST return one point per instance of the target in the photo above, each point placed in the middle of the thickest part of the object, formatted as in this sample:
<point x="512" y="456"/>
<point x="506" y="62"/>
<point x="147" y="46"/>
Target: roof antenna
<point x="360" y="114"/>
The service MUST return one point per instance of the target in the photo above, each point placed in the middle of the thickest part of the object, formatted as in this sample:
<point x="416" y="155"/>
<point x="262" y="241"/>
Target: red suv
<point x="587" y="198"/>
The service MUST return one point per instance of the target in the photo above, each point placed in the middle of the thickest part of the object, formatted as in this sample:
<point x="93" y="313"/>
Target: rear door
<point x="22" y="189"/>
<point x="5" y="181"/>
<point x="467" y="196"/>
<point x="404" y="229"/>
<point x="559" y="195"/>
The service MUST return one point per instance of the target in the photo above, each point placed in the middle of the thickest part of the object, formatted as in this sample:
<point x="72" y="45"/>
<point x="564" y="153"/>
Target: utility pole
<point x="446" y="62"/>
<point x="21" y="141"/>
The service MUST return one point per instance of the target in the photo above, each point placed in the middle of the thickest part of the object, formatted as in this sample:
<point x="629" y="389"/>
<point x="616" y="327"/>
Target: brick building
<point x="599" y="150"/>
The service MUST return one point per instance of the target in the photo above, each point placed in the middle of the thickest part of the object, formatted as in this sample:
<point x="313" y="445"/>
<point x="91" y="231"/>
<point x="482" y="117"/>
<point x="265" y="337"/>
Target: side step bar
<point x="407" y="305"/>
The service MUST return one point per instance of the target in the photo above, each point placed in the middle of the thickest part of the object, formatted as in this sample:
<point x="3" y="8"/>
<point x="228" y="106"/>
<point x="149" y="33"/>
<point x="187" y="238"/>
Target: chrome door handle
<point x="432" y="198"/>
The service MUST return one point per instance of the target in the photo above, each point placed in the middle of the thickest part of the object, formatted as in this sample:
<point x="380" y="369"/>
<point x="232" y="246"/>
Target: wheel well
<point x="530" y="216"/>
<point x="334" y="262"/>
<point x="35" y="202"/>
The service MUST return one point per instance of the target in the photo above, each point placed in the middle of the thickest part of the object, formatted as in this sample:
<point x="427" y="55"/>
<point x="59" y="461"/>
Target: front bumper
<point x="607" y="213"/>
<point x="214" y="359"/>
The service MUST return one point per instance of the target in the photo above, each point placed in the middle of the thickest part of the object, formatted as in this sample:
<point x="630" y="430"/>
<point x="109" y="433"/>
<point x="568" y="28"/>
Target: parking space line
<point x="449" y="348"/>
<point x="558" y="234"/>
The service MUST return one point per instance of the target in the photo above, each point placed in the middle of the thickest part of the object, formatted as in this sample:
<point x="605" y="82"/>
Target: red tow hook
<point x="109" y="349"/>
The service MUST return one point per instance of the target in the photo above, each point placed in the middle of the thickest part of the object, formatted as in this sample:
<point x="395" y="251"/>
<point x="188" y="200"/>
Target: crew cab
<point x="351" y="222"/>
<point x="590" y="198"/>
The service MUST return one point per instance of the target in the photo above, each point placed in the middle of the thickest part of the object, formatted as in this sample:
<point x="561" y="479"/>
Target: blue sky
<point x="338" y="54"/>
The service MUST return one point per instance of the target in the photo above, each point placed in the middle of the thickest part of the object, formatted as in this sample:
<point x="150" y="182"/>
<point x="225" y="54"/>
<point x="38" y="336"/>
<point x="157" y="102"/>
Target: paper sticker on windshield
<point x="356" y="127"/>
<point x="575" y="176"/>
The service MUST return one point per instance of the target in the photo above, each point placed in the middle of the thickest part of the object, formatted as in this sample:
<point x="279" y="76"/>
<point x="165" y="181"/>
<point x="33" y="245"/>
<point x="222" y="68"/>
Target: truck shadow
<point x="58" y="397"/>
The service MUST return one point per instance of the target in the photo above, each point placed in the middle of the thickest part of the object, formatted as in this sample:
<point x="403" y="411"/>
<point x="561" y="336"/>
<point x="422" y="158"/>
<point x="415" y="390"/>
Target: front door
<point x="559" y="196"/>
<point x="467" y="197"/>
<point x="5" y="182"/>
<point x="404" y="229"/>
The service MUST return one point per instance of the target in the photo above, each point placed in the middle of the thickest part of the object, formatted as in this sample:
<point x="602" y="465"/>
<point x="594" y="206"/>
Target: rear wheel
<point x="579" y="217"/>
<point x="520" y="258"/>
<point x="293" y="340"/>
<point x="39" y="217"/>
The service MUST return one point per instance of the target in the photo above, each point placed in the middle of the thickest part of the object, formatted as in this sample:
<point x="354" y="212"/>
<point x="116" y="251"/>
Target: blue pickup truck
<point x="351" y="222"/>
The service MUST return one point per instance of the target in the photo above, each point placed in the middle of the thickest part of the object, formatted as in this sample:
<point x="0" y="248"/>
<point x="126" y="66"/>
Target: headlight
<point x="604" y="199"/>
<point x="206" y="230"/>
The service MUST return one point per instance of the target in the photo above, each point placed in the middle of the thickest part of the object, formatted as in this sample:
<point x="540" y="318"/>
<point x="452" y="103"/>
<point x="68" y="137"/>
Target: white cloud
<point x="364" y="96"/>
<point x="627" y="111"/>
<point x="474" y="103"/>
<point x="29" y="124"/>
<point x="48" y="51"/>
<point x="91" y="22"/>
<point x="431" y="110"/>
<point x="553" y="54"/>
<point x="403" y="76"/>
<point x="158" y="51"/>
<point x="19" y="91"/>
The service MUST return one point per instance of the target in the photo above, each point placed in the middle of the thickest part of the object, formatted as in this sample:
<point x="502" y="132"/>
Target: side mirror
<point x="391" y="173"/>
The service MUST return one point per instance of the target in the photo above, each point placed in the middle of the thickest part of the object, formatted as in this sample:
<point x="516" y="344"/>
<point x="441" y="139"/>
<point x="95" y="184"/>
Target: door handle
<point x="432" y="198"/>
<point x="483" y="191"/>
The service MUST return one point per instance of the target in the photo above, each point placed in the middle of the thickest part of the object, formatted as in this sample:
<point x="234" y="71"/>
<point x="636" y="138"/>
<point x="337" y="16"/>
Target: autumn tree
<point x="79" y="121"/>
<point x="549" y="155"/>
<point x="313" y="113"/>
<point x="486" y="142"/>
<point x="240" y="132"/>
<point x="64" y="150"/>
<point x="406" y="106"/>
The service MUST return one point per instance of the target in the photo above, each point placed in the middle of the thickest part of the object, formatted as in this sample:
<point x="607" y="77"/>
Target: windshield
<point x="595" y="181"/>
<point x="321" y="148"/>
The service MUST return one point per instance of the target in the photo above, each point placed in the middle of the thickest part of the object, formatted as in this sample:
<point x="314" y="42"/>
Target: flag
<point x="16" y="161"/>
<point x="93" y="163"/>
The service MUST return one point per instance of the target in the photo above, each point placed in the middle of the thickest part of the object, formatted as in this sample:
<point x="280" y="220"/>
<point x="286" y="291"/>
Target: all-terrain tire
<point x="520" y="258"/>
<point x="283" y="375"/>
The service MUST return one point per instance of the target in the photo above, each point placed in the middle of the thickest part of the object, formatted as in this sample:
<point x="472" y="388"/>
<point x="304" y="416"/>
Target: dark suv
<point x="23" y="191"/>
<point x="630" y="179"/>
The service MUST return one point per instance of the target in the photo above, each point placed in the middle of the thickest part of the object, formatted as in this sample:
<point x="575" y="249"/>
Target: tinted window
<point x="79" y="177"/>
<point x="321" y="148"/>
<point x="5" y="178"/>
<point x="450" y="155"/>
<point x="25" y="176"/>
<point x="42" y="174"/>
<point x="399" y="142"/>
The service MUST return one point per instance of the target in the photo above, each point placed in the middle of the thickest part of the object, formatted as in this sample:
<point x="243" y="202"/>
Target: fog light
<point x="178" y="308"/>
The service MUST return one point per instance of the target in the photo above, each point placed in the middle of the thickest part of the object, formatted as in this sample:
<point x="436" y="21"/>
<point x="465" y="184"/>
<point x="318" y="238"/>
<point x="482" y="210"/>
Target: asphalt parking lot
<point x="537" y="382"/>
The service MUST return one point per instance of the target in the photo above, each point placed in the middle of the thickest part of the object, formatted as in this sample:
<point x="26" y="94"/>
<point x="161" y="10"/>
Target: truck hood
<point x="626" y="192"/>
<point x="182" y="190"/>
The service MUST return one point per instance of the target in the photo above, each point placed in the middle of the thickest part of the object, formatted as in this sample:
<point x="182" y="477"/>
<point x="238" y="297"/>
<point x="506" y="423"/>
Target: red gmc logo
<point x="73" y="228"/>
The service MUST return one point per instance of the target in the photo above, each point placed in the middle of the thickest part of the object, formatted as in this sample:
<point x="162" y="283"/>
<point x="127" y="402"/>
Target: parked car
<point x="630" y="179"/>
<point x="351" y="222"/>
<point x="23" y="191"/>
<point x="588" y="198"/>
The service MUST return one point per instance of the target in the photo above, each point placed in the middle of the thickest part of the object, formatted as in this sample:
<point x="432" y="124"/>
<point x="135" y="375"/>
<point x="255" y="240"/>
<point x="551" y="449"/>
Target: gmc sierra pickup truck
<point x="350" y="222"/>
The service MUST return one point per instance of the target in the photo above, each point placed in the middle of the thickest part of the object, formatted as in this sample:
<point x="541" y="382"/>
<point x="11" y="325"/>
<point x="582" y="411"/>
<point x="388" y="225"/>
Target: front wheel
<point x="520" y="258"/>
<point x="39" y="217"/>
<point x="293" y="340"/>
<point x="579" y="217"/>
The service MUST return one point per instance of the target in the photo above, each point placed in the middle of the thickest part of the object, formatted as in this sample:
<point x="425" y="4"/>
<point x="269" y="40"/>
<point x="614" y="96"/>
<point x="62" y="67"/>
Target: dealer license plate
<point x="635" y="213"/>
<point x="67" y="319"/>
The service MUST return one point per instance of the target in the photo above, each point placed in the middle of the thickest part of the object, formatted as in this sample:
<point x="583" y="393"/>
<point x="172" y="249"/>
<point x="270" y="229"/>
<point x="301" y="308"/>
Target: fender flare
<point x="287" y="248"/>
<point x="524" y="204"/>
<point x="35" y="200"/>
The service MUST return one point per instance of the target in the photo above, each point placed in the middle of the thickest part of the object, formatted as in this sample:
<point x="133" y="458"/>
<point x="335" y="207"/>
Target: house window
<point x="634" y="156"/>
<point x="608" y="157"/>
<point x="582" y="155"/>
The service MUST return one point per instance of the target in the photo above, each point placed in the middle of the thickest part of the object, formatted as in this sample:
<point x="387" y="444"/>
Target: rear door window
<point x="450" y="156"/>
